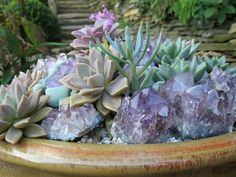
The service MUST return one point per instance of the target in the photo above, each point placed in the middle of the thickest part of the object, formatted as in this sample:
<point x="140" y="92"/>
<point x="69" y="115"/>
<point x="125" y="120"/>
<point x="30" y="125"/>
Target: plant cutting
<point x="120" y="92"/>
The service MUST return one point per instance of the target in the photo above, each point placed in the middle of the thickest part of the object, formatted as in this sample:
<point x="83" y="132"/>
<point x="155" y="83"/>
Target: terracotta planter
<point x="204" y="158"/>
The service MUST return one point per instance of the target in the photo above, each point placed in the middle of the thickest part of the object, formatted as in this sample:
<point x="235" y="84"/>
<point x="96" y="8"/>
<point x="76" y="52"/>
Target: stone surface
<point x="232" y="28"/>
<point x="144" y="118"/>
<point x="233" y="41"/>
<point x="67" y="123"/>
<point x="221" y="37"/>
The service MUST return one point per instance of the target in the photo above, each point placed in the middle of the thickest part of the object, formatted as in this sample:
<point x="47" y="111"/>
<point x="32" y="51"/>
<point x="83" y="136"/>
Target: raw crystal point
<point x="68" y="123"/>
<point x="202" y="110"/>
<point x="177" y="84"/>
<point x="144" y="118"/>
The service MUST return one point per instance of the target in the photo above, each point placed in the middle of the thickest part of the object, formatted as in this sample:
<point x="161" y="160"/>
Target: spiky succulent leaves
<point x="20" y="109"/>
<point x="166" y="71"/>
<point x="93" y="81"/>
<point x="128" y="55"/>
<point x="179" y="49"/>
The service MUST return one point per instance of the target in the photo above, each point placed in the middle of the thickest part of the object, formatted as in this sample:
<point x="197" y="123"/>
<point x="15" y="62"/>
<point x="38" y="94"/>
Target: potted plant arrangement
<point x="143" y="107"/>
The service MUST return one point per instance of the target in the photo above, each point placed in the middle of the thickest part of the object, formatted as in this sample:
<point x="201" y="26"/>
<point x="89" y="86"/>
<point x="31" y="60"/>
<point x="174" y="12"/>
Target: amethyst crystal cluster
<point x="204" y="109"/>
<point x="67" y="123"/>
<point x="194" y="110"/>
<point x="144" y="118"/>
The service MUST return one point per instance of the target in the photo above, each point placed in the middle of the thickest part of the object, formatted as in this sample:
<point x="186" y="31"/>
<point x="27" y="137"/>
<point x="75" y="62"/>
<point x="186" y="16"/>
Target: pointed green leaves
<point x="13" y="135"/>
<point x="40" y="115"/>
<point x="34" y="131"/>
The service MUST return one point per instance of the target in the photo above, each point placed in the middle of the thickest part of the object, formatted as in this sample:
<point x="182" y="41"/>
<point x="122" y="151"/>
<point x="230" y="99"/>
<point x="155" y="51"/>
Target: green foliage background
<point x="38" y="13"/>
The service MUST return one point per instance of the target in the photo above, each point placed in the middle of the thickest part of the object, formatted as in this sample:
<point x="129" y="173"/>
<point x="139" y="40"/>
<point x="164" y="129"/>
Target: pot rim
<point x="99" y="159"/>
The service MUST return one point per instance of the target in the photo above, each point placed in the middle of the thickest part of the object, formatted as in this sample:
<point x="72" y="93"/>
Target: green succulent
<point x="166" y="71"/>
<point x="94" y="82"/>
<point x="199" y="66"/>
<point x="171" y="50"/>
<point x="21" y="108"/>
<point x="130" y="56"/>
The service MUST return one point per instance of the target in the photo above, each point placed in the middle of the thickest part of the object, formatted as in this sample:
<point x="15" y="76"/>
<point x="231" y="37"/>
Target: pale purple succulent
<point x="104" y="17"/>
<point x="105" y="23"/>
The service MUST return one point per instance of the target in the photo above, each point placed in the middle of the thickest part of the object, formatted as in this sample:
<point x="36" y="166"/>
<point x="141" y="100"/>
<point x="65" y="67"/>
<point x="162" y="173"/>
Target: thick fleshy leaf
<point x="21" y="123"/>
<point x="109" y="68"/>
<point x="78" y="100"/>
<point x="20" y="90"/>
<point x="13" y="135"/>
<point x="7" y="112"/>
<point x="117" y="86"/>
<point x="65" y="101"/>
<point x="34" y="131"/>
<point x="96" y="80"/>
<point x="94" y="56"/>
<point x="82" y="70"/>
<point x="98" y="66"/>
<point x="110" y="102"/>
<point x="4" y="125"/>
<point x="91" y="91"/>
<point x="40" y="115"/>
<point x="9" y="100"/>
<point x="101" y="108"/>
<point x="42" y="102"/>
<point x="22" y="107"/>
<point x="73" y="81"/>
<point x="2" y="136"/>
<point x="34" y="100"/>
<point x="199" y="72"/>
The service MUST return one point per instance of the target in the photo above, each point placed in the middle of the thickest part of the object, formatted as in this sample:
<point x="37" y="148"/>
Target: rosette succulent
<point x="53" y="70"/>
<point x="180" y="49"/>
<point x="94" y="82"/>
<point x="104" y="24"/>
<point x="200" y="67"/>
<point x="21" y="108"/>
<point x="104" y="17"/>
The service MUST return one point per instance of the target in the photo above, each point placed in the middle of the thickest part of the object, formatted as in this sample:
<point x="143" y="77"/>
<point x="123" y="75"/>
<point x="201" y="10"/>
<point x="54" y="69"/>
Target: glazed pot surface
<point x="208" y="157"/>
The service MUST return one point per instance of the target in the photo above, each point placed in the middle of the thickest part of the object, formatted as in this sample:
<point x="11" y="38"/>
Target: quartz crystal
<point x="144" y="118"/>
<point x="54" y="69"/>
<point x="205" y="109"/>
<point x="68" y="123"/>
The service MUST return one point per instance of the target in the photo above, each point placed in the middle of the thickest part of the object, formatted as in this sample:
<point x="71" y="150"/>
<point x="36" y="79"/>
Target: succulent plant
<point x="104" y="17"/>
<point x="93" y="82"/>
<point x="180" y="49"/>
<point x="198" y="66"/>
<point x="90" y="34"/>
<point x="130" y="56"/>
<point x="21" y="108"/>
<point x="53" y="70"/>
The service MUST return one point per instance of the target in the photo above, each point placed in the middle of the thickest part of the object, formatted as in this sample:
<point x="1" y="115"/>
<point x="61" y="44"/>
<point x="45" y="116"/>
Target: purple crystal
<point x="68" y="123"/>
<point x="177" y="84"/>
<point x="202" y="110"/>
<point x="55" y="68"/>
<point x="144" y="118"/>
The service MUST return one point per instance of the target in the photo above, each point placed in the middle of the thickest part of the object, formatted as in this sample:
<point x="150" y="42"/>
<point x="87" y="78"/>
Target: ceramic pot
<point x="210" y="157"/>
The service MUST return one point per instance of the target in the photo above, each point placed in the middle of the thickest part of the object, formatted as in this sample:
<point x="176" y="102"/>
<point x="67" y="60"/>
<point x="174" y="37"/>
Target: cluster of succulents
<point x="89" y="35"/>
<point x="140" y="91"/>
<point x="21" y="108"/>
